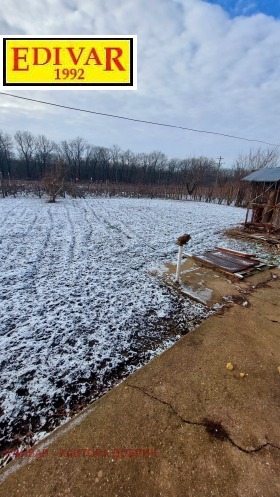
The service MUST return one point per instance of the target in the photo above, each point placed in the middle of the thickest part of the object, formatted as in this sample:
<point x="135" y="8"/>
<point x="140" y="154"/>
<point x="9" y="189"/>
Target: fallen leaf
<point x="242" y="375"/>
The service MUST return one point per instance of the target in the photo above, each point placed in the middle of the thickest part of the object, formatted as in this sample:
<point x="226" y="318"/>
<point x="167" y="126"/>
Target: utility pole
<point x="220" y="161"/>
<point x="218" y="168"/>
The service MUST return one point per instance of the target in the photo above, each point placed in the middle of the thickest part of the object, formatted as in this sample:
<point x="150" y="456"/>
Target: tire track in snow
<point x="6" y="211"/>
<point x="23" y="279"/>
<point x="69" y="249"/>
<point x="20" y="241"/>
<point x="93" y="311"/>
<point x="127" y="240"/>
<point x="41" y="246"/>
<point x="10" y="236"/>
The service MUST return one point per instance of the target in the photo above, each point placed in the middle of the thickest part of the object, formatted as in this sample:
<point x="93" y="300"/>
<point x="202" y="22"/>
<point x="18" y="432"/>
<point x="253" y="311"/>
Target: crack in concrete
<point x="204" y="424"/>
<point x="268" y="319"/>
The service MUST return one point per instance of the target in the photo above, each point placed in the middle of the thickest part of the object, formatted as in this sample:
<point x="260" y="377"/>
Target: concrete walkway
<point x="194" y="428"/>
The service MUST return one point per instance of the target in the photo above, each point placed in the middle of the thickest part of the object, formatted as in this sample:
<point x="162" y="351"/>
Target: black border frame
<point x="61" y="85"/>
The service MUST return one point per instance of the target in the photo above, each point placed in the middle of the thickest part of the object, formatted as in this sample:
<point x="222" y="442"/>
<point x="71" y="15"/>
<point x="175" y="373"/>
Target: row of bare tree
<point x="36" y="158"/>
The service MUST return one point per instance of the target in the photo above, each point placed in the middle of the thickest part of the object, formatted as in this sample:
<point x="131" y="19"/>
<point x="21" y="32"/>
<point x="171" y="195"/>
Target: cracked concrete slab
<point x="210" y="431"/>
<point x="201" y="386"/>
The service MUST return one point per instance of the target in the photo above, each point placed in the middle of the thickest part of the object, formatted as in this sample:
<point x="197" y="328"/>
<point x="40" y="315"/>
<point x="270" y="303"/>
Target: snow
<point x="80" y="303"/>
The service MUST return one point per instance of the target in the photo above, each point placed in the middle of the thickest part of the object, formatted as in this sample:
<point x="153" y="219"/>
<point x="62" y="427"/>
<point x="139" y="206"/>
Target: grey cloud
<point x="196" y="67"/>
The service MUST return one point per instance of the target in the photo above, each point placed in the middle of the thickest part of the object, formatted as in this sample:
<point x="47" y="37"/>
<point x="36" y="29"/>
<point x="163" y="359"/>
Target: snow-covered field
<point x="80" y="304"/>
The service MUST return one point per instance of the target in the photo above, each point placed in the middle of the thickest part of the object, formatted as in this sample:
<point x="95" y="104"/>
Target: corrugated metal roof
<point x="264" y="175"/>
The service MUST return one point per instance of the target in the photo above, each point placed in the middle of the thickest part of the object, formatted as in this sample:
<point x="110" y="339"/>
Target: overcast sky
<point x="207" y="65"/>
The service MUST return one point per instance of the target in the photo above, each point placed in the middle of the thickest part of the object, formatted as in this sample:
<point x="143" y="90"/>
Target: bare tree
<point x="6" y="154"/>
<point x="26" y="144"/>
<point x="53" y="181"/>
<point x="115" y="161"/>
<point x="73" y="154"/>
<point x="65" y="155"/>
<point x="78" y="147"/>
<point x="255" y="159"/>
<point x="44" y="149"/>
<point x="101" y="157"/>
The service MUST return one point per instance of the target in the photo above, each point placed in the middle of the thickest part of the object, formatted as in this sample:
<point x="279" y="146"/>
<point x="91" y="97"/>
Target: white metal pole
<point x="179" y="263"/>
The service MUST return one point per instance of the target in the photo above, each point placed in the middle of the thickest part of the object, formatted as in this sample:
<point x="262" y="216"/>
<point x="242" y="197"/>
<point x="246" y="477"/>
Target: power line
<point x="155" y="123"/>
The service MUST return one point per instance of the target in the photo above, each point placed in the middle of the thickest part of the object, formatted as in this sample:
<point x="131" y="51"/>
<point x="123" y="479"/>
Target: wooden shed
<point x="264" y="205"/>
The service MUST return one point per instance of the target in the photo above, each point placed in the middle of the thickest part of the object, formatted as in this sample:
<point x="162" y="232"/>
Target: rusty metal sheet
<point x="227" y="262"/>
<point x="236" y="260"/>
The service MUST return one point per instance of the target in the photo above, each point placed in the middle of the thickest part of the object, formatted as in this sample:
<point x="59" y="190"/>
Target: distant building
<point x="264" y="205"/>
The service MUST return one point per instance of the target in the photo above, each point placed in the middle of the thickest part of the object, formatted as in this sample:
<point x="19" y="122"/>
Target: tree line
<point x="31" y="158"/>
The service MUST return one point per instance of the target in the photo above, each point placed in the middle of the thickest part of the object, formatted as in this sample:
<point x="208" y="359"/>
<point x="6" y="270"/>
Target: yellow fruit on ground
<point x="230" y="366"/>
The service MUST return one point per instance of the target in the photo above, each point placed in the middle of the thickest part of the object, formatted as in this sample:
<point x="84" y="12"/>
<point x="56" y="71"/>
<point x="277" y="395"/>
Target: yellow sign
<point x="69" y="63"/>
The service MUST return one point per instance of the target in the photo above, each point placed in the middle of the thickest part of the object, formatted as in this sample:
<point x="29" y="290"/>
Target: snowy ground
<point x="80" y="306"/>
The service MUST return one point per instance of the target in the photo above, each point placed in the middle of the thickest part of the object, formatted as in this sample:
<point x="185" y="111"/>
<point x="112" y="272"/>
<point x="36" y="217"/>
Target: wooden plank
<point x="234" y="252"/>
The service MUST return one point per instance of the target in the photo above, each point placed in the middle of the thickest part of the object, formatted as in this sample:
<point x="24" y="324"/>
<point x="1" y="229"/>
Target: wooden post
<point x="182" y="240"/>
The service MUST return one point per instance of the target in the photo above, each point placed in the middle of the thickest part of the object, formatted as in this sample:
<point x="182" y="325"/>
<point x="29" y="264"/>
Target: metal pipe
<point x="182" y="240"/>
<point x="179" y="263"/>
